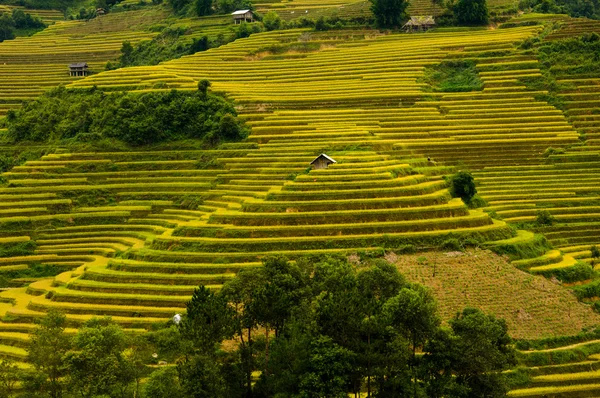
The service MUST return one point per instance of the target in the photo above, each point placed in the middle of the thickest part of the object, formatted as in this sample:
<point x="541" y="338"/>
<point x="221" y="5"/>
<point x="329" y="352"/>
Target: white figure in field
<point x="177" y="319"/>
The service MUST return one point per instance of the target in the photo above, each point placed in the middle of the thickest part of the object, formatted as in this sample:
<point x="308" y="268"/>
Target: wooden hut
<point x="242" y="16"/>
<point x="100" y="11"/>
<point x="322" y="162"/>
<point x="78" y="69"/>
<point x="419" y="24"/>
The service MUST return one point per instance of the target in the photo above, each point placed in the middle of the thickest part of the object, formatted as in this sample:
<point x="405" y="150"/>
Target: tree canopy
<point x="137" y="119"/>
<point x="389" y="13"/>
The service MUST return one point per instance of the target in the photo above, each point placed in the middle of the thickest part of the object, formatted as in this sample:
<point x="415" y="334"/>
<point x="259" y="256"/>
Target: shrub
<point x="462" y="185"/>
<point x="451" y="244"/>
<point x="272" y="21"/>
<point x="134" y="118"/>
<point x="477" y="202"/>
<point x="543" y="217"/>
<point x="471" y="12"/>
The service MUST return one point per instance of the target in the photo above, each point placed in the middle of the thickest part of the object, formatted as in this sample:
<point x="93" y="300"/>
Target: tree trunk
<point x="249" y="365"/>
<point x="267" y="350"/>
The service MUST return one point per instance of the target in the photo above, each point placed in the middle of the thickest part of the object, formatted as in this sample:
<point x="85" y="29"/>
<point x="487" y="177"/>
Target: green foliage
<point x="272" y="21"/>
<point x="462" y="185"/>
<point x="10" y="375"/>
<point x="470" y="12"/>
<point x="594" y="252"/>
<point x="164" y="383"/>
<point x="454" y="76"/>
<point x="17" y="249"/>
<point x="579" y="272"/>
<point x="544" y="218"/>
<point x="63" y="115"/>
<point x="575" y="8"/>
<point x="7" y="26"/>
<point x="576" y="55"/>
<point x="96" y="364"/>
<point x="208" y="320"/>
<point x="389" y="13"/>
<point x="169" y="44"/>
<point x="485" y="348"/>
<point x="47" y="346"/>
<point x="203" y="7"/>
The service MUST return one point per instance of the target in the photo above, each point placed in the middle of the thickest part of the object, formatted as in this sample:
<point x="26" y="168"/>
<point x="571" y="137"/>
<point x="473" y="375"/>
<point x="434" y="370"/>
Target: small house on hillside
<point x="78" y="69"/>
<point x="100" y="11"/>
<point x="322" y="162"/>
<point x="419" y="24"/>
<point x="242" y="16"/>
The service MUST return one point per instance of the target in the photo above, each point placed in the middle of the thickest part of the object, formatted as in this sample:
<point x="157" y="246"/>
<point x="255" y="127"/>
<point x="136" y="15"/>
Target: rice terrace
<point x="299" y="198"/>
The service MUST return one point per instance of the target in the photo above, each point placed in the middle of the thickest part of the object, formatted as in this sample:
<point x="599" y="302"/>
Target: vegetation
<point x="578" y="8"/>
<point x="18" y="22"/>
<point x="453" y="76"/>
<point x="470" y="12"/>
<point x="206" y="7"/>
<point x="462" y="185"/>
<point x="389" y="13"/>
<point x="64" y="115"/>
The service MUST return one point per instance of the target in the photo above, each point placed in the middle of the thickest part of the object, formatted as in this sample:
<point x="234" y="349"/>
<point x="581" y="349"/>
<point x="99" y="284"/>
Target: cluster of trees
<point x="18" y="20"/>
<point x="322" y="328"/>
<point x="63" y="115"/>
<point x="328" y="328"/>
<point x="575" y="8"/>
<point x="392" y="13"/>
<point x="207" y="7"/>
<point x="101" y="360"/>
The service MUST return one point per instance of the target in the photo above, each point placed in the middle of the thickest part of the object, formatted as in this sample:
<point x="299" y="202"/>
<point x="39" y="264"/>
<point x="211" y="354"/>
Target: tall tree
<point x="47" y="346"/>
<point x="389" y="13"/>
<point x="471" y="12"/>
<point x="413" y="314"/>
<point x="203" y="7"/>
<point x="97" y="364"/>
<point x="485" y="350"/>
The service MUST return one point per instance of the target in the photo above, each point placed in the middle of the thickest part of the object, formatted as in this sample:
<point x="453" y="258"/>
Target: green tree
<point x="203" y="86"/>
<point x="389" y="13"/>
<point x="96" y="364"/>
<point x="377" y="284"/>
<point x="462" y="185"/>
<point x="164" y="383"/>
<point x="413" y="315"/>
<point x="47" y="347"/>
<point x="485" y="351"/>
<point x="471" y="12"/>
<point x="179" y="5"/>
<point x="126" y="53"/>
<point x="272" y="21"/>
<point x="327" y="373"/>
<point x="241" y="293"/>
<point x="203" y="7"/>
<point x="7" y="27"/>
<point x="594" y="253"/>
<point x="208" y="322"/>
<point x="10" y="375"/>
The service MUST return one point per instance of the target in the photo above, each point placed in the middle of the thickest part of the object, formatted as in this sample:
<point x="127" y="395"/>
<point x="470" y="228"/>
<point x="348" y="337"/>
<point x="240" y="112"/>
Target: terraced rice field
<point x="138" y="230"/>
<point x="31" y="65"/>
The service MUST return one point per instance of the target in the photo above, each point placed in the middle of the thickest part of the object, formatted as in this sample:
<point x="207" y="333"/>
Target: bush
<point x="471" y="12"/>
<point x="451" y="244"/>
<point x="544" y="218"/>
<point x="63" y="115"/>
<point x="272" y="21"/>
<point x="462" y="185"/>
<point x="477" y="202"/>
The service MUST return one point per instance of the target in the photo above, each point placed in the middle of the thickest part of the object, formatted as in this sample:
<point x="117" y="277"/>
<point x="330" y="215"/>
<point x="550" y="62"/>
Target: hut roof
<point x="240" y="12"/>
<point x="323" y="156"/>
<point x="79" y="65"/>
<point x="420" y="21"/>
